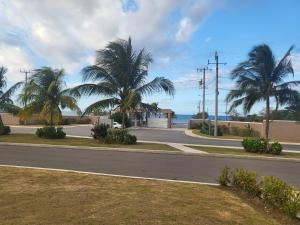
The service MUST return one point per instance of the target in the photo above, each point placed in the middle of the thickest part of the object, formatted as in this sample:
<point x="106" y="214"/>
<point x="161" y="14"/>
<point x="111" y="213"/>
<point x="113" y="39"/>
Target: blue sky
<point x="181" y="35"/>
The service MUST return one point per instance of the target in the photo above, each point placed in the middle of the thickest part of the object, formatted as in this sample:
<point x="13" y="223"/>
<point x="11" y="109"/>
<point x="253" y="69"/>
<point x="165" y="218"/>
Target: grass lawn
<point x="242" y="152"/>
<point x="197" y="132"/>
<point x="33" y="139"/>
<point x="30" y="196"/>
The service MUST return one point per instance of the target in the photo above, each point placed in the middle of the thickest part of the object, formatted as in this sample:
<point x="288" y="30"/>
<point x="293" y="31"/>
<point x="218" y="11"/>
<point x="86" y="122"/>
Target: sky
<point x="181" y="35"/>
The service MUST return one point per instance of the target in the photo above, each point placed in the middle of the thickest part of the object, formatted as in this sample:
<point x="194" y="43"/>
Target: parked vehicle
<point x="117" y="125"/>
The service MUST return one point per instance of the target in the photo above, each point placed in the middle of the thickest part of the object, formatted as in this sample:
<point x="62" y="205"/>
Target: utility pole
<point x="202" y="82"/>
<point x="26" y="72"/>
<point x="217" y="91"/>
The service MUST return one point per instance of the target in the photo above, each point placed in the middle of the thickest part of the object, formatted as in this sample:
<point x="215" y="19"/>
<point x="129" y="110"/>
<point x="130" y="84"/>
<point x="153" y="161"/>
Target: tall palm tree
<point x="261" y="78"/>
<point x="6" y="103"/>
<point x="120" y="74"/>
<point x="46" y="96"/>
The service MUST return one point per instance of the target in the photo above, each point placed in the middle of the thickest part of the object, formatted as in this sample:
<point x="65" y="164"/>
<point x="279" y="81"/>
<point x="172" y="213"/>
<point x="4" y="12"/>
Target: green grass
<point x="30" y="196"/>
<point x="33" y="139"/>
<point x="242" y="152"/>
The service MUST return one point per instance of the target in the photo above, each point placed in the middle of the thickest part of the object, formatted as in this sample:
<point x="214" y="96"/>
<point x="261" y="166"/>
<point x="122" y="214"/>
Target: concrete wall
<point x="9" y="119"/>
<point x="258" y="127"/>
<point x="158" y="122"/>
<point x="280" y="130"/>
<point x="285" y="130"/>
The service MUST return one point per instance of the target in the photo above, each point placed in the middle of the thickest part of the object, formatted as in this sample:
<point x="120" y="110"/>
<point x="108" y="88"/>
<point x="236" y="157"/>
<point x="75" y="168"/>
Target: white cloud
<point x="194" y="14"/>
<point x="11" y="56"/>
<point x="66" y="33"/>
<point x="191" y="80"/>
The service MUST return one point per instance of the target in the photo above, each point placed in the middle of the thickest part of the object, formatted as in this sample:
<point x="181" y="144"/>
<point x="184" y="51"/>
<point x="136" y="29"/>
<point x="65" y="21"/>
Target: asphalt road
<point x="153" y="165"/>
<point x="172" y="135"/>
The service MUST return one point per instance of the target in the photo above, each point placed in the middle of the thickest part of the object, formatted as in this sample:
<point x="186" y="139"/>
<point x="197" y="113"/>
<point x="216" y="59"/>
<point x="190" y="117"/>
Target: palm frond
<point x="157" y="85"/>
<point x="102" y="104"/>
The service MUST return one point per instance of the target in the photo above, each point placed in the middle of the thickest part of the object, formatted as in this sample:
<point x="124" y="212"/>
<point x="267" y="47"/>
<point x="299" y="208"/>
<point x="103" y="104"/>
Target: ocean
<point x="181" y="118"/>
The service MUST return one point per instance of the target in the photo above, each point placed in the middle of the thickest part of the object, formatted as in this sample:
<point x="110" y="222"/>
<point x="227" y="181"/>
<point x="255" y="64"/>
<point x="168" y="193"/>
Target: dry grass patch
<point x="33" y="139"/>
<point x="45" y="197"/>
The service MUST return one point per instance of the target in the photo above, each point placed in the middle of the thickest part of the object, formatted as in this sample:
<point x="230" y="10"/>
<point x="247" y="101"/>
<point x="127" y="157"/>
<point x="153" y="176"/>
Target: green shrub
<point x="276" y="148"/>
<point x="246" y="180"/>
<point x="260" y="145"/>
<point x="130" y="139"/>
<point x="281" y="195"/>
<point x="257" y="145"/>
<point x="119" y="136"/>
<point x="209" y="129"/>
<point x="5" y="130"/>
<point x="50" y="132"/>
<point x="100" y="131"/>
<point x="224" y="178"/>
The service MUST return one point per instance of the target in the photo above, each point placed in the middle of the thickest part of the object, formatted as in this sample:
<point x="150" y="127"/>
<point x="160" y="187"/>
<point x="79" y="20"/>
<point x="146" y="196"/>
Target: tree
<point x="46" y="96"/>
<point x="261" y="78"/>
<point x="121" y="75"/>
<point x="199" y="115"/>
<point x="6" y="103"/>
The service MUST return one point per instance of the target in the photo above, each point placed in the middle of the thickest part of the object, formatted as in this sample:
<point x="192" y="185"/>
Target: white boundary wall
<point x="158" y="122"/>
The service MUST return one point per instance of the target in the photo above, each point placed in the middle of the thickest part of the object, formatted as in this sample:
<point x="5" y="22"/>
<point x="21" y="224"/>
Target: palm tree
<point x="6" y="103"/>
<point x="261" y="78"/>
<point x="120" y="74"/>
<point x="46" y="96"/>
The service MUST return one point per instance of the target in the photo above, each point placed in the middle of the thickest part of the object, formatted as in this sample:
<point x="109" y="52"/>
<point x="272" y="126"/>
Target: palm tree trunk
<point x="123" y="119"/>
<point x="267" y="118"/>
<point x="1" y="123"/>
<point x="51" y="118"/>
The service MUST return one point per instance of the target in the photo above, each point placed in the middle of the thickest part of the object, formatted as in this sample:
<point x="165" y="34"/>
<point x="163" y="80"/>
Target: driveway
<point x="151" y="165"/>
<point x="155" y="135"/>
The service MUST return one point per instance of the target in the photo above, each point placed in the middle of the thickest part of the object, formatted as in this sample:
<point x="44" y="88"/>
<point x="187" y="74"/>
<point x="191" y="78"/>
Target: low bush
<point x="224" y="178"/>
<point x="260" y="145"/>
<point x="276" y="148"/>
<point x="119" y="136"/>
<point x="246" y="180"/>
<point x="5" y="130"/>
<point x="273" y="191"/>
<point x="257" y="145"/>
<point x="50" y="132"/>
<point x="100" y="131"/>
<point x="281" y="195"/>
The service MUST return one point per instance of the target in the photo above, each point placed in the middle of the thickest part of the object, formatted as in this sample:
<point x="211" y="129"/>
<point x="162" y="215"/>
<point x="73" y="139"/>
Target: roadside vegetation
<point x="274" y="192"/>
<point x="6" y="102"/>
<point x="241" y="152"/>
<point x="33" y="139"/>
<point x="72" y="198"/>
